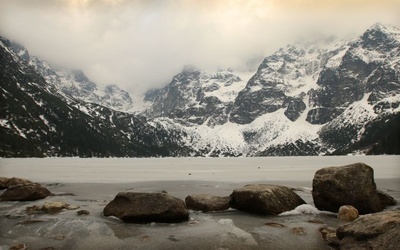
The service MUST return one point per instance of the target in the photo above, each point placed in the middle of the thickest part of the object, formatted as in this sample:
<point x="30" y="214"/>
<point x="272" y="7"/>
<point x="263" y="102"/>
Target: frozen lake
<point x="123" y="170"/>
<point x="92" y="183"/>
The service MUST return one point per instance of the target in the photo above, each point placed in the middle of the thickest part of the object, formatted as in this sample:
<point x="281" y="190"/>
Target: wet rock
<point x="386" y="200"/>
<point x="83" y="212"/>
<point x="28" y="192"/>
<point x="21" y="246"/>
<point x="329" y="236"/>
<point x="353" y="185"/>
<point x="8" y="182"/>
<point x="298" y="230"/>
<point x="347" y="213"/>
<point x="371" y="231"/>
<point x="265" y="199"/>
<point x="147" y="207"/>
<point x="56" y="206"/>
<point x="18" y="181"/>
<point x="207" y="202"/>
<point x="51" y="207"/>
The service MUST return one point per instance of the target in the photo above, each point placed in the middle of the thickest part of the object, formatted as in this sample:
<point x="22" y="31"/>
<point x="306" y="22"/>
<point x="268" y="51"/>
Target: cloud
<point x="142" y="44"/>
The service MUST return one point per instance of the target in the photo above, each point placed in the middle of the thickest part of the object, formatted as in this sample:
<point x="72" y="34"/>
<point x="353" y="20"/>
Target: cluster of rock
<point x="348" y="191"/>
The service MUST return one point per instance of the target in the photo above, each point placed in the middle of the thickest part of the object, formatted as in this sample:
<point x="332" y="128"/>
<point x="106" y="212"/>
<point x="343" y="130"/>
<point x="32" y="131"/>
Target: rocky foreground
<point x="338" y="196"/>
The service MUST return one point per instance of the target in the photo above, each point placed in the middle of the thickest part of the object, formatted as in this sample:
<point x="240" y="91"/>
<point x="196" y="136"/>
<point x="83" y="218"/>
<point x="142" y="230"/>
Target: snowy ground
<point x="94" y="182"/>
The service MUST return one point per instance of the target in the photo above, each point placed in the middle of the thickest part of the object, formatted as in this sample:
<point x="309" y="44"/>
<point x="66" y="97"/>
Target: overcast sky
<point x="145" y="43"/>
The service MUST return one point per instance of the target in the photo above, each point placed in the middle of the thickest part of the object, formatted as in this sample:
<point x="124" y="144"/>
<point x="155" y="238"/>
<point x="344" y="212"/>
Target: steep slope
<point x="36" y="121"/>
<point x="305" y="99"/>
<point x="75" y="83"/>
<point x="283" y="81"/>
<point x="194" y="97"/>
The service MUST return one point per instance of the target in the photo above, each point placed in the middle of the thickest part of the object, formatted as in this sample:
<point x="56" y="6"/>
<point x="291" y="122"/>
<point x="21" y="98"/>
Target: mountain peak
<point x="384" y="28"/>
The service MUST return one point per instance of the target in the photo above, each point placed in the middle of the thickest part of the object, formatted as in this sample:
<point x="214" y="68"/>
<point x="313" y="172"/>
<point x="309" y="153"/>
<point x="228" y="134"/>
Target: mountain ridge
<point x="304" y="99"/>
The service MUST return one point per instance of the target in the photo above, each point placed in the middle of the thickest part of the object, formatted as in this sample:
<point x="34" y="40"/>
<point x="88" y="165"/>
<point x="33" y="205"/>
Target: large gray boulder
<point x="207" y="202"/>
<point x="28" y="192"/>
<point x="265" y="199"/>
<point x="371" y="231"/>
<point x="352" y="185"/>
<point x="147" y="207"/>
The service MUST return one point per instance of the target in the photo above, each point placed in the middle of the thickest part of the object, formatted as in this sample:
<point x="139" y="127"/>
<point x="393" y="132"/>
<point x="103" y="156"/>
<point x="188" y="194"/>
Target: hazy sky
<point x="146" y="42"/>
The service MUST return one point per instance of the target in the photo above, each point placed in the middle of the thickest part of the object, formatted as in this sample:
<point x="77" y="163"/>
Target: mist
<point x="140" y="45"/>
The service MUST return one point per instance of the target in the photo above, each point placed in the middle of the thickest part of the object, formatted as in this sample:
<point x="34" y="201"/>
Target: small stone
<point x="54" y="207"/>
<point x="298" y="230"/>
<point x="71" y="207"/>
<point x="347" y="213"/>
<point x="329" y="236"/>
<point x="83" y="212"/>
<point x="21" y="246"/>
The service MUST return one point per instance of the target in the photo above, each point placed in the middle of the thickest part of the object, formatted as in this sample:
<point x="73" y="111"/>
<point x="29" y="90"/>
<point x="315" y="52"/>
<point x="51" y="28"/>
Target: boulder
<point x="18" y="181"/>
<point x="8" y="182"/>
<point x="147" y="207"/>
<point x="29" y="192"/>
<point x="207" y="202"/>
<point x="371" y="231"/>
<point x="265" y="199"/>
<point x="352" y="185"/>
<point x="347" y="213"/>
<point x="386" y="200"/>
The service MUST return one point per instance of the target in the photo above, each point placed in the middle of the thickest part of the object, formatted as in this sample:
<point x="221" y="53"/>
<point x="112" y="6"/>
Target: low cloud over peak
<point x="142" y="44"/>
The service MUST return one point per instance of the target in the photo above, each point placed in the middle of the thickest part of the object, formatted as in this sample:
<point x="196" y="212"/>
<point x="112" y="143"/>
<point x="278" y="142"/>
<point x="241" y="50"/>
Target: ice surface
<point x="92" y="183"/>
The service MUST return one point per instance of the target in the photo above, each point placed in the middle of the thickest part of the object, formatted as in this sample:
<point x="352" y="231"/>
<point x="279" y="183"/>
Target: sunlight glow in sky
<point x="143" y="43"/>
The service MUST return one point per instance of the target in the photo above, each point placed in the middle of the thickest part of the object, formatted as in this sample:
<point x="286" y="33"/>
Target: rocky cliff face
<point x="194" y="97"/>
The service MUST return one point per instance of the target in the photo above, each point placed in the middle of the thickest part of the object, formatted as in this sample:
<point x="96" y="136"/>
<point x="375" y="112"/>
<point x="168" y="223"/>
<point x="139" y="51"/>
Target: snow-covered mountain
<point x="75" y="83"/>
<point x="37" y="120"/>
<point x="305" y="99"/>
<point x="195" y="96"/>
<point x="327" y="97"/>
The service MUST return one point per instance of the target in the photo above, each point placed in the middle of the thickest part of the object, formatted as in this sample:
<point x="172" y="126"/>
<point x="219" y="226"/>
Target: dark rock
<point x="372" y="231"/>
<point x="147" y="207"/>
<point x="352" y="185"/>
<point x="207" y="202"/>
<point x="83" y="212"/>
<point x="265" y="199"/>
<point x="29" y="192"/>
<point x="294" y="109"/>
<point x="386" y="199"/>
<point x="21" y="246"/>
<point x="17" y="181"/>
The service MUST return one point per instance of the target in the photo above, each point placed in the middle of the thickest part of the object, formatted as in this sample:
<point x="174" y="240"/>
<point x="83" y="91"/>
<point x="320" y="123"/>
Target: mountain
<point x="324" y="97"/>
<point x="194" y="97"/>
<point x="75" y="83"/>
<point x="37" y="120"/>
<point x="330" y="96"/>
